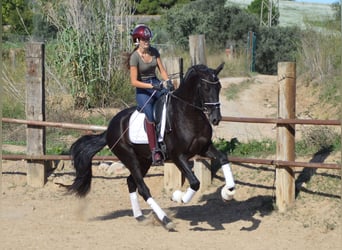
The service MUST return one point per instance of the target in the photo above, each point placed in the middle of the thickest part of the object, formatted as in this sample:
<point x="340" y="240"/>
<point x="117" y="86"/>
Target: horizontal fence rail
<point x="224" y="118"/>
<point x="281" y="121"/>
<point x="232" y="159"/>
<point x="277" y="163"/>
<point x="56" y="124"/>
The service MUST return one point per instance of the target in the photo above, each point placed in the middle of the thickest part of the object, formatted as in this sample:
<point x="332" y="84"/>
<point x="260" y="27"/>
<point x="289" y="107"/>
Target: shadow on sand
<point x="214" y="213"/>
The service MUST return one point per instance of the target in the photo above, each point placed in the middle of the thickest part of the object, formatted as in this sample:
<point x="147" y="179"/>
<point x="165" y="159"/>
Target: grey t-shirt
<point x="145" y="70"/>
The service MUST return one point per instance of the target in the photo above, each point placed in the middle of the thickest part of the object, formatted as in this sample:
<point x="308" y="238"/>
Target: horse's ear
<point x="219" y="68"/>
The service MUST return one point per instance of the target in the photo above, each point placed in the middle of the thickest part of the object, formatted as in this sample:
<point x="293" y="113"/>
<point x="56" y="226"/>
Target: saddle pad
<point x="136" y="131"/>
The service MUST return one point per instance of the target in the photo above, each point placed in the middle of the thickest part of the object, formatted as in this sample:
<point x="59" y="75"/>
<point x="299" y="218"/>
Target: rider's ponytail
<point x="128" y="57"/>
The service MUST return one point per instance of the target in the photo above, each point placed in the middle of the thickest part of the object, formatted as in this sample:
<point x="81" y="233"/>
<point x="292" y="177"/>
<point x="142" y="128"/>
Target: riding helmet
<point x="141" y="31"/>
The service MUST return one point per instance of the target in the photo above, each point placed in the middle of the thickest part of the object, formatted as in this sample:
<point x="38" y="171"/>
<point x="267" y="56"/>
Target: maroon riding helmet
<point x="141" y="32"/>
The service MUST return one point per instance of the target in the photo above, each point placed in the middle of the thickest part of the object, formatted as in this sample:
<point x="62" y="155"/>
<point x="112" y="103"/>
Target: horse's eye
<point x="206" y="87"/>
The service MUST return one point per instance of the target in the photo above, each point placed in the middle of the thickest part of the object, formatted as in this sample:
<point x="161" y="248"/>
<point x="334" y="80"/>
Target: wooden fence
<point x="285" y="192"/>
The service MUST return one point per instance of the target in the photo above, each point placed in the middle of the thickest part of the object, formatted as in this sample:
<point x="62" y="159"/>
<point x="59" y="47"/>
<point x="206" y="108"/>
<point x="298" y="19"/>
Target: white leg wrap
<point x="155" y="207"/>
<point x="177" y="196"/>
<point x="226" y="194"/>
<point x="228" y="175"/>
<point x="135" y="204"/>
<point x="188" y="195"/>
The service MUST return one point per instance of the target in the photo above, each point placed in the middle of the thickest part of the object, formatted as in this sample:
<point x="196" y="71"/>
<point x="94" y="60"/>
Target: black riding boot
<point x="157" y="158"/>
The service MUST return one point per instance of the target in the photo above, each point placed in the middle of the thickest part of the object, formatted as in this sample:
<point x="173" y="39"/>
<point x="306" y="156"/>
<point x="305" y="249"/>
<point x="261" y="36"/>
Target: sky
<point x="318" y="1"/>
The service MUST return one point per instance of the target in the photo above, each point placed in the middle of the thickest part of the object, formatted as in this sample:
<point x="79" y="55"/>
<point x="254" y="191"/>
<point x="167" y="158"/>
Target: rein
<point x="187" y="103"/>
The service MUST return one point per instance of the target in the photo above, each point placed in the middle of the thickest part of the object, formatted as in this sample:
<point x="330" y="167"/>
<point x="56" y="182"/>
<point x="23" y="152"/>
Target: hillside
<point x="294" y="13"/>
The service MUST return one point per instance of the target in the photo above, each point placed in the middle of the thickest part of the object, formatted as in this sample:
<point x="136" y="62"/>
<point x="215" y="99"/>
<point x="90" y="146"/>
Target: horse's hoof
<point x="140" y="218"/>
<point x="227" y="194"/>
<point x="168" y="224"/>
<point x="177" y="196"/>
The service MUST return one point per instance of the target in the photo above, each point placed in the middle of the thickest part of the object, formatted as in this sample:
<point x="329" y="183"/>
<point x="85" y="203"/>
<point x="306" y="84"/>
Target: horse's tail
<point x="82" y="151"/>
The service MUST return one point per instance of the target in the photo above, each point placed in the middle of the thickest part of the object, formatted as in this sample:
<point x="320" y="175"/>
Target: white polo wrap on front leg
<point x="135" y="204"/>
<point x="155" y="207"/>
<point x="228" y="175"/>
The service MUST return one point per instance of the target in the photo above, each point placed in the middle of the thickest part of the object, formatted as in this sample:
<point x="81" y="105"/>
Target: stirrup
<point x="157" y="158"/>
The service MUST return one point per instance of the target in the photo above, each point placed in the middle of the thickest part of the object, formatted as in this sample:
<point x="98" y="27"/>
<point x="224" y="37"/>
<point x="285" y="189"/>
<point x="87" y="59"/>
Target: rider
<point x="143" y="62"/>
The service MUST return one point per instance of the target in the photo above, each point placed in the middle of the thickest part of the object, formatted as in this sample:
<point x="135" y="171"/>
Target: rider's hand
<point x="164" y="91"/>
<point x="157" y="85"/>
<point x="169" y="85"/>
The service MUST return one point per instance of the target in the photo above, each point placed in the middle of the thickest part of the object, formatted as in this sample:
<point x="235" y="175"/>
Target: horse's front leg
<point x="185" y="167"/>
<point x="228" y="191"/>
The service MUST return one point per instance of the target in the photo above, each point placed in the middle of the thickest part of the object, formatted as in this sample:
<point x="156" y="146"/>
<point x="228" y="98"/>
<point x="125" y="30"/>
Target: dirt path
<point x="45" y="218"/>
<point x="259" y="100"/>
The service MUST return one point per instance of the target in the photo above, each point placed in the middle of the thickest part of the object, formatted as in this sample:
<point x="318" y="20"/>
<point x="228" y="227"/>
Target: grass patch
<point x="15" y="110"/>
<point x="232" y="91"/>
<point x="252" y="148"/>
<point x="316" y="140"/>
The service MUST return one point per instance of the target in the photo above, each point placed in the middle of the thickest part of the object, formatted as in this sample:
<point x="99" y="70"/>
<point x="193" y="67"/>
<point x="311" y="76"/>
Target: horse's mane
<point x="195" y="69"/>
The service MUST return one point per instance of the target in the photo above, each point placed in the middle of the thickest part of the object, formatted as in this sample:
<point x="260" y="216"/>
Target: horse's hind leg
<point x="132" y="187"/>
<point x="135" y="181"/>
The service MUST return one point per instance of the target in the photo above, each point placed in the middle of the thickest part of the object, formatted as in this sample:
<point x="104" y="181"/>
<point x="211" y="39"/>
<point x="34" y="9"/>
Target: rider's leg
<point x="145" y="102"/>
<point x="157" y="158"/>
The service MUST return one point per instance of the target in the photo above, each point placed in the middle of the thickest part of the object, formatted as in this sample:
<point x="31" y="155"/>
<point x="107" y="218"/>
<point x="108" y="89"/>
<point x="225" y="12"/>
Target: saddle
<point x="137" y="132"/>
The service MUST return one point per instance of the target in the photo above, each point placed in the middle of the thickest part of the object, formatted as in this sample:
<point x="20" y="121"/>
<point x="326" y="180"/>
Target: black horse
<point x="190" y="110"/>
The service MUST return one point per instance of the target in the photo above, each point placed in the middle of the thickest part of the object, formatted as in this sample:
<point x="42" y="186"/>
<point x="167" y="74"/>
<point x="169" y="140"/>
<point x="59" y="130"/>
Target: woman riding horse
<point x="190" y="109"/>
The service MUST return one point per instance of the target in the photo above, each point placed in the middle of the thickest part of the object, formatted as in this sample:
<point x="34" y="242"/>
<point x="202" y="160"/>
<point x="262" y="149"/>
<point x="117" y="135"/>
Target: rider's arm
<point x="162" y="69"/>
<point x="134" y="79"/>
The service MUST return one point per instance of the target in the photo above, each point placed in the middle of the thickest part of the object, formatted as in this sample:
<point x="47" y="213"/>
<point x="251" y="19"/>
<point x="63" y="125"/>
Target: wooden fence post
<point x="285" y="181"/>
<point x="172" y="66"/>
<point x="35" y="110"/>
<point x="203" y="173"/>
<point x="173" y="178"/>
<point x="197" y="49"/>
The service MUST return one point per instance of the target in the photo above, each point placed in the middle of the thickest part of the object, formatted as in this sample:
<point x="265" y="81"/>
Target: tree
<point x="24" y="18"/>
<point x="153" y="7"/>
<point x="17" y="16"/>
<point x="256" y="6"/>
<point x="217" y="22"/>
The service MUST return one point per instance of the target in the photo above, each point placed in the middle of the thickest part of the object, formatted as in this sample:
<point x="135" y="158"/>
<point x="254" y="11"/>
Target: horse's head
<point x="208" y="88"/>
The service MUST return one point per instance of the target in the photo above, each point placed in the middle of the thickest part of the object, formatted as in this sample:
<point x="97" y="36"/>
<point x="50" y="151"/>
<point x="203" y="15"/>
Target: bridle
<point x="213" y="105"/>
<point x="206" y="106"/>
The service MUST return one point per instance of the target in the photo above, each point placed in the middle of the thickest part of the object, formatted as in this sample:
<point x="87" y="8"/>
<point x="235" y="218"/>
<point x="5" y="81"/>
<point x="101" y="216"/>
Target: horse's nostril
<point x="215" y="122"/>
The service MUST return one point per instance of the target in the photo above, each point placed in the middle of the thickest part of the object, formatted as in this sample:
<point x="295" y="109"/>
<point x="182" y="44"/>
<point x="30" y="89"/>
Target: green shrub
<point x="211" y="18"/>
<point x="319" y="138"/>
<point x="87" y="56"/>
<point x="275" y="44"/>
